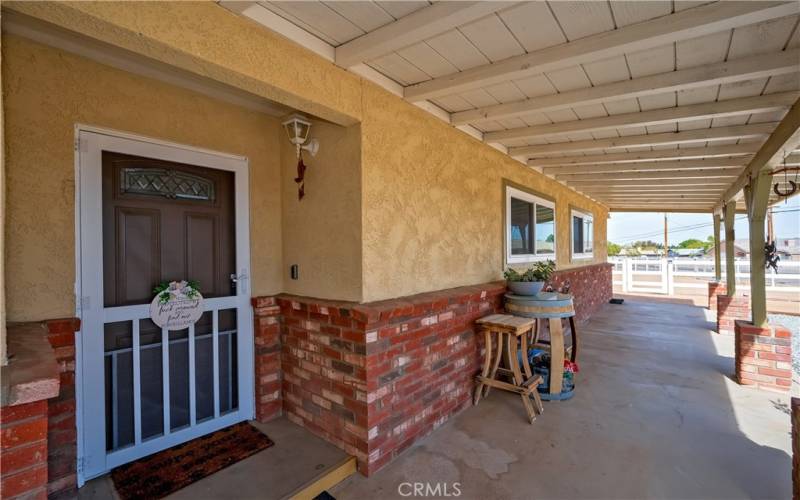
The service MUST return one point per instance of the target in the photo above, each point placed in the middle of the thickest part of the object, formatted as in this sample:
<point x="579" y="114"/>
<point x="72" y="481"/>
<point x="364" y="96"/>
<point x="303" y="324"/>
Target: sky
<point x="624" y="228"/>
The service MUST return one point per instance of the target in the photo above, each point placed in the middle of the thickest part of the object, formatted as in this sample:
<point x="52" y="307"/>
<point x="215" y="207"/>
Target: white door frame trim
<point x="214" y="159"/>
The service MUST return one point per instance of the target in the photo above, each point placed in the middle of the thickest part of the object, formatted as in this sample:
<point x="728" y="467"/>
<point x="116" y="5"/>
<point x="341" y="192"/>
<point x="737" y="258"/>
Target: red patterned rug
<point x="158" y="475"/>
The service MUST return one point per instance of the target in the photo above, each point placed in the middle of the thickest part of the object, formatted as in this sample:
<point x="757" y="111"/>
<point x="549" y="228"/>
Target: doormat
<point x="165" y="472"/>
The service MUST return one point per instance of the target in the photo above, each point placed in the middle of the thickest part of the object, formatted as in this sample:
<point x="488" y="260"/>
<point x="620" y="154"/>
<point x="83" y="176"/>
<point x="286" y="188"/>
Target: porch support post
<point x="717" y="257"/>
<point x="730" y="236"/>
<point x="757" y="198"/>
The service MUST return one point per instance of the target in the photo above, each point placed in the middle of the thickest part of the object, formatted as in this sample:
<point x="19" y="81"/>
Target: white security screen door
<point x="152" y="212"/>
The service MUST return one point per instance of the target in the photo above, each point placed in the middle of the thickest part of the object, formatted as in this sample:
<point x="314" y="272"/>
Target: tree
<point x="550" y="238"/>
<point x="613" y="248"/>
<point x="646" y="244"/>
<point x="692" y="243"/>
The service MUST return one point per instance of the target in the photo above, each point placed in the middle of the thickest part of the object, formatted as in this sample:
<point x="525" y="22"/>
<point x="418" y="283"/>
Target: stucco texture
<point x="45" y="93"/>
<point x="322" y="232"/>
<point x="434" y="203"/>
<point x="206" y="39"/>
<point x="430" y="211"/>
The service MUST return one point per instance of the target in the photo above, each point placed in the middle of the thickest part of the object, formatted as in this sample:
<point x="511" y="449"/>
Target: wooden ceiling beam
<point x="666" y="204"/>
<point x="697" y="210"/>
<point x="413" y="28"/>
<point x="670" y="174"/>
<point x="755" y="131"/>
<point x="670" y="196"/>
<point x="651" y="156"/>
<point x="746" y="68"/>
<point x="689" y="23"/>
<point x="730" y="107"/>
<point x="588" y="183"/>
<point x="656" y="189"/>
<point x="785" y="139"/>
<point x="660" y="166"/>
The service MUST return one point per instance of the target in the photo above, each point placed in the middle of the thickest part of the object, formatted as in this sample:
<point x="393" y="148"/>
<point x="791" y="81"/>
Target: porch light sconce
<point x="297" y="128"/>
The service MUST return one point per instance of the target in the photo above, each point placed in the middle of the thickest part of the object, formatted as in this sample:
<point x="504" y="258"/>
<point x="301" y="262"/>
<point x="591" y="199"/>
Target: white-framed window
<point x="582" y="238"/>
<point x="530" y="227"/>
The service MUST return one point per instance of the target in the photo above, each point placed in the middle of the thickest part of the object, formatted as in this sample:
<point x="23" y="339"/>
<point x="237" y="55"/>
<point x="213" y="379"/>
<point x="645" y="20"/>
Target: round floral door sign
<point x="177" y="305"/>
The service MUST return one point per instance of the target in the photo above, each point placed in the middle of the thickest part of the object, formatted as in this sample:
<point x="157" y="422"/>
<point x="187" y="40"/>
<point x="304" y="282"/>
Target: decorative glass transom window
<point x="168" y="183"/>
<point x="530" y="227"/>
<point x="582" y="235"/>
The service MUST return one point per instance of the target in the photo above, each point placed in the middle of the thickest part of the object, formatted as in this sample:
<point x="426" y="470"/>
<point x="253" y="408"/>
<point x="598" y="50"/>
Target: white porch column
<point x="730" y="252"/>
<point x="717" y="247"/>
<point x="757" y="198"/>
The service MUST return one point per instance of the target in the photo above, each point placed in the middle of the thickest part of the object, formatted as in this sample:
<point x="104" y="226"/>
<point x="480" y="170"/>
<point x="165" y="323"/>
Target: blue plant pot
<point x="525" y="287"/>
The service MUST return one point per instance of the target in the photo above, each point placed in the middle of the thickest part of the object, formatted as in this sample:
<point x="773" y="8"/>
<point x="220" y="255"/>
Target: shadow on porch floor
<point x="655" y="414"/>
<point x="297" y="459"/>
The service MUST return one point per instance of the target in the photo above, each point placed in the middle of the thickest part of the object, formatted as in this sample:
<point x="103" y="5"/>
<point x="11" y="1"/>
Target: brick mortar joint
<point x="10" y="474"/>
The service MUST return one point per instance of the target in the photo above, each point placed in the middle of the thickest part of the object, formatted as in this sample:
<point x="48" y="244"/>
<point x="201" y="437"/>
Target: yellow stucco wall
<point x="322" y="233"/>
<point x="46" y="92"/>
<point x="431" y="197"/>
<point x="434" y="203"/>
<point x="204" y="38"/>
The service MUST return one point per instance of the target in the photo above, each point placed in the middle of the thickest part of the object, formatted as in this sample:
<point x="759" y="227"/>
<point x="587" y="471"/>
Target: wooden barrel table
<point x="553" y="307"/>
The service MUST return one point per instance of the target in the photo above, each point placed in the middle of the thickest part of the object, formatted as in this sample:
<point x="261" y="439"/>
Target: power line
<point x="678" y="229"/>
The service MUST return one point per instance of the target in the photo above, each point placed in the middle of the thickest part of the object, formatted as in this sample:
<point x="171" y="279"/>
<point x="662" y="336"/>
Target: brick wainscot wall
<point x="375" y="378"/>
<point x="37" y="419"/>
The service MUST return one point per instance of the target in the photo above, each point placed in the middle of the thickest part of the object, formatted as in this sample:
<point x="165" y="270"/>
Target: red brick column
<point x="23" y="450"/>
<point x="324" y="371"/>
<point x="267" y="337"/>
<point x="62" y="430"/>
<point x="715" y="288"/>
<point x="763" y="356"/>
<point x="730" y="309"/>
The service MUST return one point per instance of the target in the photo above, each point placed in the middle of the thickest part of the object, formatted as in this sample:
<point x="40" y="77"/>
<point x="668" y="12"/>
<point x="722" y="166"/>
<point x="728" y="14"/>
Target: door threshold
<point x="327" y="480"/>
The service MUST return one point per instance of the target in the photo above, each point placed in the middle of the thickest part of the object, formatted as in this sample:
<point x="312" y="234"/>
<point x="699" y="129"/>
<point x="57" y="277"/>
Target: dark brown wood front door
<point x="165" y="221"/>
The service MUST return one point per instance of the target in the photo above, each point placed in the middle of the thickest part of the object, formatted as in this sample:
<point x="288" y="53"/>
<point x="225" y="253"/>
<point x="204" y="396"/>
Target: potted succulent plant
<point x="532" y="280"/>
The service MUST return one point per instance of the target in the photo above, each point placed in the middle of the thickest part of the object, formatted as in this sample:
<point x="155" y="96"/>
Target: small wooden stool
<point x="512" y="332"/>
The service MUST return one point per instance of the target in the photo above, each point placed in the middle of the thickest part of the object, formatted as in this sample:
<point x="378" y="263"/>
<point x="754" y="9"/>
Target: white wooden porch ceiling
<point x="617" y="99"/>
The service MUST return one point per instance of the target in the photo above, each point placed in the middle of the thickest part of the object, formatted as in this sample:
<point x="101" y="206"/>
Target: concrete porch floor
<point x="655" y="415"/>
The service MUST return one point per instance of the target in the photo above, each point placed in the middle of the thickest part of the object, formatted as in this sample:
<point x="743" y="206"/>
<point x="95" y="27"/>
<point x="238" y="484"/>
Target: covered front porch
<point x="348" y="217"/>
<point x="658" y="414"/>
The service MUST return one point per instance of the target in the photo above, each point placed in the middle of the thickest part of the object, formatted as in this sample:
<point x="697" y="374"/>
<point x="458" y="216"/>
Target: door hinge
<point x="83" y="304"/>
<point x="80" y="145"/>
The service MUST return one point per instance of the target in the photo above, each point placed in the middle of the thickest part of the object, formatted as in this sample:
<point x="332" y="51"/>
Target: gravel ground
<point x="793" y="324"/>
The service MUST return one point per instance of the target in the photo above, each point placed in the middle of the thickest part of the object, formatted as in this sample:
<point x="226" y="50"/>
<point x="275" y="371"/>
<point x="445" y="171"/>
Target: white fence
<point x="664" y="276"/>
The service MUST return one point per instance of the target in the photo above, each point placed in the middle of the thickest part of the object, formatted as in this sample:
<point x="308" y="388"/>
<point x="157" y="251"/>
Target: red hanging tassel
<point x="300" y="179"/>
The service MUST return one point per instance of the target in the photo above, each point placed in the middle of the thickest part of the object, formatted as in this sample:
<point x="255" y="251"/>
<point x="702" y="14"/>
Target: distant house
<point x="788" y="248"/>
<point x="739" y="252"/>
<point x="687" y="252"/>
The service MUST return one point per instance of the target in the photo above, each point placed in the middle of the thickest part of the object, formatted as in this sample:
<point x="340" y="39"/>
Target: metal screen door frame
<point x="93" y="458"/>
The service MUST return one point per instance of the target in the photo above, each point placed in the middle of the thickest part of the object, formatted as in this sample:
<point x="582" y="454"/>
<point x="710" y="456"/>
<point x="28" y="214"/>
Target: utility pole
<point x="666" y="240"/>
